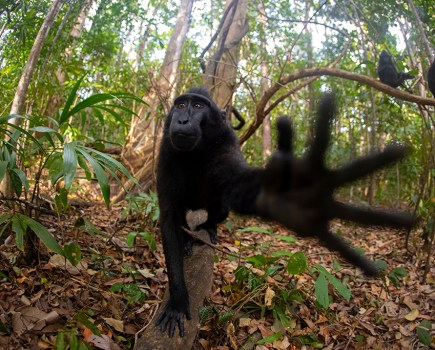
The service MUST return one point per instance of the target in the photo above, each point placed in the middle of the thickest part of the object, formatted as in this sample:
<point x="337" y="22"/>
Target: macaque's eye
<point x="197" y="105"/>
<point x="181" y="105"/>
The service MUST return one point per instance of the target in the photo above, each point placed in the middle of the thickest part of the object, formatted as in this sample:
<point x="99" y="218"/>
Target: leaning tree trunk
<point x="26" y="77"/>
<point x="140" y="149"/>
<point x="221" y="71"/>
<point x="29" y="69"/>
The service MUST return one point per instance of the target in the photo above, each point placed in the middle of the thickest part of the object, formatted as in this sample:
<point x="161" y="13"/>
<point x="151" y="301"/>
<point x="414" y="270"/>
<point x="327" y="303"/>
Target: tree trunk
<point x="221" y="71"/>
<point x="140" y="149"/>
<point x="26" y="76"/>
<point x="198" y="273"/>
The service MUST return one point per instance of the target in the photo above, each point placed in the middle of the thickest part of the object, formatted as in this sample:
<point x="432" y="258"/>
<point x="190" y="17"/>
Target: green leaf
<point x="381" y="265"/>
<point x="60" y="341"/>
<point x="257" y="260"/>
<point x="131" y="237"/>
<point x="21" y="176"/>
<point x="400" y="271"/>
<point x="46" y="237"/>
<point x="3" y="167"/>
<point x="73" y="253"/>
<point x="254" y="229"/>
<point x="288" y="239"/>
<point x="83" y="318"/>
<point x="340" y="287"/>
<point x="321" y="291"/>
<point x="270" y="338"/>
<point x="297" y="263"/>
<point x="69" y="164"/>
<point x="20" y="230"/>
<point x="61" y="201"/>
<point x="90" y="101"/>
<point x="424" y="336"/>
<point x="65" y="112"/>
<point x="150" y="240"/>
<point x="82" y="163"/>
<point x="100" y="174"/>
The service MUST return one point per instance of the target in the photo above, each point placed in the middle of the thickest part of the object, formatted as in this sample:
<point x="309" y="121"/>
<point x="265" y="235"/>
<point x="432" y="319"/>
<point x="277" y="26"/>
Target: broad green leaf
<point x="73" y="253"/>
<point x="65" y="112"/>
<point x="270" y="338"/>
<point x="46" y="237"/>
<point x="115" y="115"/>
<point x="21" y="176"/>
<point x="297" y="263"/>
<point x="254" y="229"/>
<point x="131" y="237"/>
<point x="90" y="101"/>
<point x="288" y="239"/>
<point x="100" y="174"/>
<point x="150" y="240"/>
<point x="82" y="163"/>
<point x="257" y="260"/>
<point x="20" y="230"/>
<point x="60" y="341"/>
<point x="423" y="332"/>
<point x="3" y="167"/>
<point x="69" y="164"/>
<point x="321" y="291"/>
<point x="109" y="160"/>
<point x="340" y="287"/>
<point x="4" y="218"/>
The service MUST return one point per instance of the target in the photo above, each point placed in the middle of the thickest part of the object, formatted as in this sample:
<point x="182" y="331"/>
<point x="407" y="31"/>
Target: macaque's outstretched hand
<point x="298" y="192"/>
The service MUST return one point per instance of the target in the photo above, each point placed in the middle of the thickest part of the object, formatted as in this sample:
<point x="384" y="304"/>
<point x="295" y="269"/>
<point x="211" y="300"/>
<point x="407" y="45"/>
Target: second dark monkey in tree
<point x="388" y="73"/>
<point x="200" y="165"/>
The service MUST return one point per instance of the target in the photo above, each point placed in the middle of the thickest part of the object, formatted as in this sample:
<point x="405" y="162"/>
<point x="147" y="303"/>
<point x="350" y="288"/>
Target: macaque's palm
<point x="298" y="192"/>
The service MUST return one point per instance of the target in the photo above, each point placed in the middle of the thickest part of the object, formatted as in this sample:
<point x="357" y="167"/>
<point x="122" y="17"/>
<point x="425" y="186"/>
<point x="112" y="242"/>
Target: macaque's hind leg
<point x="217" y="213"/>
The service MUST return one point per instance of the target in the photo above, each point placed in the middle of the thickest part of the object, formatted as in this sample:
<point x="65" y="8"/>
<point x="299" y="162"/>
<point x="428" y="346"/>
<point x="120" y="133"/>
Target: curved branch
<point x="326" y="71"/>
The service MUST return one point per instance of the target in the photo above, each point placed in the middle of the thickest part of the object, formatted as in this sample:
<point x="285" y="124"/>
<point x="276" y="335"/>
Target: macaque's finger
<point x="325" y="114"/>
<point x="367" y="216"/>
<point x="276" y="177"/>
<point x="285" y="135"/>
<point x="366" y="165"/>
<point x="338" y="244"/>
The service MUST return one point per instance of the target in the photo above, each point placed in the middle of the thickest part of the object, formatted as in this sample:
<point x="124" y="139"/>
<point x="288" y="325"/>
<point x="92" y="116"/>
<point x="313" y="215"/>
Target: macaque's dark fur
<point x="388" y="73"/>
<point x="200" y="165"/>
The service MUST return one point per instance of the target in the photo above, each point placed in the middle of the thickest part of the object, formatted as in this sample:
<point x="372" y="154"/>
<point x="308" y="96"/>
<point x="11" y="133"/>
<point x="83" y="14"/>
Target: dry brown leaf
<point x="412" y="315"/>
<point x="117" y="324"/>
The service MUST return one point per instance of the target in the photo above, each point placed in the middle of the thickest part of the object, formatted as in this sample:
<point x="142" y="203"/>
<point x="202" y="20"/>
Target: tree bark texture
<point x="141" y="146"/>
<point x="198" y="272"/>
<point x="221" y="71"/>
<point x="29" y="69"/>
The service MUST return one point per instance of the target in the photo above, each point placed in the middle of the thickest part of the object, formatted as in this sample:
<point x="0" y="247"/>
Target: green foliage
<point x="423" y="332"/>
<point x="131" y="238"/>
<point x="143" y="204"/>
<point x="59" y="158"/>
<point x="68" y="340"/>
<point x="397" y="274"/>
<point x="130" y="290"/>
<point x="321" y="287"/>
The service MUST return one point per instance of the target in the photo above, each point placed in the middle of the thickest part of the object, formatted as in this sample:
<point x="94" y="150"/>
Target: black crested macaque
<point x="431" y="78"/>
<point x="200" y="165"/>
<point x="388" y="73"/>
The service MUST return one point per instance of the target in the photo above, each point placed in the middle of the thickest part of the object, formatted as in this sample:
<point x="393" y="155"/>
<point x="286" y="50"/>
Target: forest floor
<point x="115" y="290"/>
